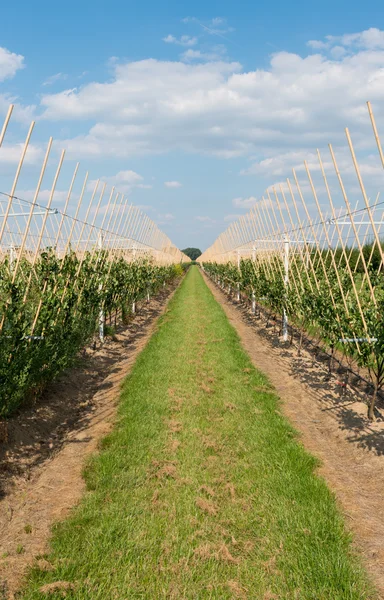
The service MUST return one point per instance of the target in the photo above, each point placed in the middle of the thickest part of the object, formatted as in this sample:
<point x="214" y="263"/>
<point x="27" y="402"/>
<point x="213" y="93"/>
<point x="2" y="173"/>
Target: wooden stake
<point x="376" y="133"/>
<point x="348" y="266"/>
<point x="16" y="178"/>
<point x="352" y="221"/>
<point x="5" y="124"/>
<point x="42" y="172"/>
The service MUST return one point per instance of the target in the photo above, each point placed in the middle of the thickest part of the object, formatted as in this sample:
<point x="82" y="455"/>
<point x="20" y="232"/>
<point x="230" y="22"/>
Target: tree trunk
<point x="346" y="383"/>
<point x="371" y="407"/>
<point x="330" y="363"/>
<point x="300" y="343"/>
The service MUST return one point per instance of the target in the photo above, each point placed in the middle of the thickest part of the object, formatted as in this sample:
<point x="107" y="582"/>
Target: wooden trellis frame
<point x="318" y="232"/>
<point x="28" y="228"/>
<point x="266" y="220"/>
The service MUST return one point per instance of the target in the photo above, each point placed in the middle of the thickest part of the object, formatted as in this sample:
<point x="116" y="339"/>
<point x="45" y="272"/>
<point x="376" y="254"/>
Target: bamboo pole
<point x="95" y="251"/>
<point x="260" y="233"/>
<point x="348" y="266"/>
<point x="376" y="133"/>
<point x="85" y="221"/>
<point x="352" y="221"/>
<point x="298" y="241"/>
<point x="16" y="179"/>
<point x="5" y="124"/>
<point x="63" y="214"/>
<point x="364" y="194"/>
<point x="265" y="231"/>
<point x="42" y="231"/>
<point x="36" y="194"/>
<point x="326" y="236"/>
<point x="75" y="218"/>
<point x="293" y="254"/>
<point x="373" y="245"/>
<point x="308" y="251"/>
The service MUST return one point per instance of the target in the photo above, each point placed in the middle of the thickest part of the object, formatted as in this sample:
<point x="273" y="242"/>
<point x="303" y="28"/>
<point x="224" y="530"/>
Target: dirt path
<point x="353" y="467"/>
<point x="42" y="458"/>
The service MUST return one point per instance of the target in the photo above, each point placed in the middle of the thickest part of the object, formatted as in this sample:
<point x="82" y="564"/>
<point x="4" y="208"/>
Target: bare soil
<point x="333" y="426"/>
<point x="43" y="448"/>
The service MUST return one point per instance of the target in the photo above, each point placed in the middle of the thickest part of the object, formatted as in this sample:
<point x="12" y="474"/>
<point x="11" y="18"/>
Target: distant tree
<point x="193" y="253"/>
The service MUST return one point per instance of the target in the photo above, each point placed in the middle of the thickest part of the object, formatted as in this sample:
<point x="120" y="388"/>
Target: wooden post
<point x="352" y="222"/>
<point x="64" y="212"/>
<point x="5" y="124"/>
<point x="376" y="133"/>
<point x="16" y="179"/>
<point x="364" y="194"/>
<point x="44" y="165"/>
<point x="341" y="239"/>
<point x="42" y="232"/>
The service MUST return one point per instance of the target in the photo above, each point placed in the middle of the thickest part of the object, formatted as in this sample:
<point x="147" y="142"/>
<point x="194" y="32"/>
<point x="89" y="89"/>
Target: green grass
<point x="202" y="490"/>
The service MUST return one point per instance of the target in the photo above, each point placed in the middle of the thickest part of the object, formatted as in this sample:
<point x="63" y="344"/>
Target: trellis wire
<point x="29" y="227"/>
<point x="313" y="230"/>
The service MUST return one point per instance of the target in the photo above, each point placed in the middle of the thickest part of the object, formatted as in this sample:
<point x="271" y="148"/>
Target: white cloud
<point x="22" y="114"/>
<point x="370" y="39"/>
<point x="192" y="55"/>
<point x="10" y="63"/>
<point x="218" y="21"/>
<point x="281" y="163"/>
<point x="11" y="153"/>
<point x="318" y="44"/>
<point x="172" y="184"/>
<point x="338" y="52"/>
<point x="205" y="219"/>
<point x="53" y="78"/>
<point x="216" y="26"/>
<point x="184" y="40"/>
<point x="163" y="219"/>
<point x="148" y="103"/>
<point x="217" y="53"/>
<point x="244" y="202"/>
<point x="124" y="181"/>
<point x="278" y="115"/>
<point x="232" y="217"/>
<point x="207" y="222"/>
<point x="58" y="199"/>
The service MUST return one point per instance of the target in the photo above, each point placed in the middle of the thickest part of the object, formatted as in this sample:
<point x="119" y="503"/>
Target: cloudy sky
<point x="191" y="112"/>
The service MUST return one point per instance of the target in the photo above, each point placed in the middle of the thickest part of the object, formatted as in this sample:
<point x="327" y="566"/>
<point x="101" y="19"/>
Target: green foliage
<point x="66" y="294"/>
<point x="323" y="295"/>
<point x="193" y="253"/>
<point x="178" y="270"/>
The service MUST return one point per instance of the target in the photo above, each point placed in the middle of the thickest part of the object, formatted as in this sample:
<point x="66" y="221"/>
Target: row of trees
<point x="324" y="296"/>
<point x="52" y="309"/>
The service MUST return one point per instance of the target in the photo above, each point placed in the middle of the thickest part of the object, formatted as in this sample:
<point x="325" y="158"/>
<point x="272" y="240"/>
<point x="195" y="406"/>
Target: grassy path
<point x="202" y="491"/>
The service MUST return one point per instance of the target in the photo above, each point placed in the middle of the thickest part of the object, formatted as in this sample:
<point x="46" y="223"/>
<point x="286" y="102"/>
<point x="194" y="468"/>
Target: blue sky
<point x="191" y="109"/>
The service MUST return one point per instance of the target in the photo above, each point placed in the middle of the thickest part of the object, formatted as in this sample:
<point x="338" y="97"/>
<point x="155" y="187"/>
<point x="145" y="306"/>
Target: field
<point x="202" y="490"/>
<point x="225" y="444"/>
